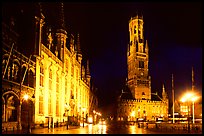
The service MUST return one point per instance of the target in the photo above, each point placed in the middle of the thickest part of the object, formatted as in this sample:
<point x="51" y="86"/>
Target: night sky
<point x="173" y="31"/>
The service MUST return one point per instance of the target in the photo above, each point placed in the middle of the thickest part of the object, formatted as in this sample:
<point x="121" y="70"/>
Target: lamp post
<point x="94" y="118"/>
<point x="83" y="109"/>
<point x="190" y="97"/>
<point x="67" y="111"/>
<point x="26" y="98"/>
<point x="193" y="100"/>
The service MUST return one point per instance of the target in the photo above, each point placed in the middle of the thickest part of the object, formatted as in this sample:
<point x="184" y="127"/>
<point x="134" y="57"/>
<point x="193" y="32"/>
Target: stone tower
<point x="139" y="80"/>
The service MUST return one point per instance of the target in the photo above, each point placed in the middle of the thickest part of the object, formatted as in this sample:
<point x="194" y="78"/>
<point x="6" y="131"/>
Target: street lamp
<point x="193" y="100"/>
<point x="83" y="109"/>
<point x="94" y="118"/>
<point x="189" y="97"/>
<point x="25" y="97"/>
<point x="67" y="111"/>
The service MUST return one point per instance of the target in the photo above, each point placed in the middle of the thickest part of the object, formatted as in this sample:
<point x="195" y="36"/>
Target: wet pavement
<point x="111" y="128"/>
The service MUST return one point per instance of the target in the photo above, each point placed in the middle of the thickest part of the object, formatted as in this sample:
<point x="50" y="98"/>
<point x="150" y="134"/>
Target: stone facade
<point x="55" y="77"/>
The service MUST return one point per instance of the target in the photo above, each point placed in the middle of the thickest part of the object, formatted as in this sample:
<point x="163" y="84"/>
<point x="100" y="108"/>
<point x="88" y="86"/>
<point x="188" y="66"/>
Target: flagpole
<point x="193" y="80"/>
<point x="173" y="96"/>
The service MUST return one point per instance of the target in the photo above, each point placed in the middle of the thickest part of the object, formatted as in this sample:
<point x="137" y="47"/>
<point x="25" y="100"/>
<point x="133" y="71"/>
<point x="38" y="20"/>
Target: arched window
<point x="31" y="78"/>
<point x="41" y="76"/>
<point x="15" y="69"/>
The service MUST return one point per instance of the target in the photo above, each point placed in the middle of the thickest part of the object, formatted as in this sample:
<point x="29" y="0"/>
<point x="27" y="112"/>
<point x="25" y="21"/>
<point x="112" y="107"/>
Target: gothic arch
<point x="32" y="69"/>
<point x="17" y="61"/>
<point x="5" y="56"/>
<point x="10" y="107"/>
<point x="3" y="100"/>
<point x="31" y="78"/>
<point x="8" y="92"/>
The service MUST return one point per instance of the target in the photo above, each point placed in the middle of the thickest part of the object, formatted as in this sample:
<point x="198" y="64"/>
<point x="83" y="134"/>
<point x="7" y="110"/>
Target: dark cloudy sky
<point x="173" y="31"/>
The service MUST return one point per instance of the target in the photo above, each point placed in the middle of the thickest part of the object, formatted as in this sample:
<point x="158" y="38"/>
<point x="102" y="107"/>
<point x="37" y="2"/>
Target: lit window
<point x="184" y="108"/>
<point x="41" y="76"/>
<point x="41" y="102"/>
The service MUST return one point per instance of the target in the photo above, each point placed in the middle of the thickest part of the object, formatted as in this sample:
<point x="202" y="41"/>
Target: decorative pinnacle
<point x="163" y="89"/>
<point x="78" y="44"/>
<point x="87" y="68"/>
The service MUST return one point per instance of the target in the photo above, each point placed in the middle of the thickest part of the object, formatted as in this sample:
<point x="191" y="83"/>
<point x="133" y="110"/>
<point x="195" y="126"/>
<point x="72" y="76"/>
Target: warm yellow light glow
<point x="194" y="99"/>
<point x="133" y="113"/>
<point x="189" y="96"/>
<point x="183" y="99"/>
<point x="83" y="109"/>
<point x="94" y="111"/>
<point x="90" y="119"/>
<point x="25" y="97"/>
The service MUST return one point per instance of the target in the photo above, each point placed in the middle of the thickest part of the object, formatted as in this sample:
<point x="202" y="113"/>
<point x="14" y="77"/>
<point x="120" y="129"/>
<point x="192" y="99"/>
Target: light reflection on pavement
<point x="99" y="129"/>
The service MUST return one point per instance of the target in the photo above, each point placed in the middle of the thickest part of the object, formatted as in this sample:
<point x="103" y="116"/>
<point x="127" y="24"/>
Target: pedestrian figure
<point x="57" y="123"/>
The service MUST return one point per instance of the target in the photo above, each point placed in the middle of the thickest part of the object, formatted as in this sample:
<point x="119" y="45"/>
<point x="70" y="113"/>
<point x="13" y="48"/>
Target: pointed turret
<point x="61" y="33"/>
<point x="71" y="42"/>
<point x="83" y="75"/>
<point x="88" y="76"/>
<point x="39" y="22"/>
<point x="87" y="68"/>
<point x="79" y="53"/>
<point x="61" y="22"/>
<point x="49" y="38"/>
<point x="164" y="95"/>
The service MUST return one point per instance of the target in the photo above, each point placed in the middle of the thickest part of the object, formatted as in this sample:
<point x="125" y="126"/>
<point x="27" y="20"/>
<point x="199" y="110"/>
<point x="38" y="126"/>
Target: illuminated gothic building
<point x="137" y="101"/>
<point x="56" y="81"/>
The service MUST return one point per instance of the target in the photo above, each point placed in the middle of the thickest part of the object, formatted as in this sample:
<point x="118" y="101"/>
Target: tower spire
<point x="163" y="89"/>
<point x="61" y="22"/>
<point x="173" y="95"/>
<point x="79" y="53"/>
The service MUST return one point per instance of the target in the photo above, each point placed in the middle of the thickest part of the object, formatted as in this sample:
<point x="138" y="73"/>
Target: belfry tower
<point x="139" y="80"/>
